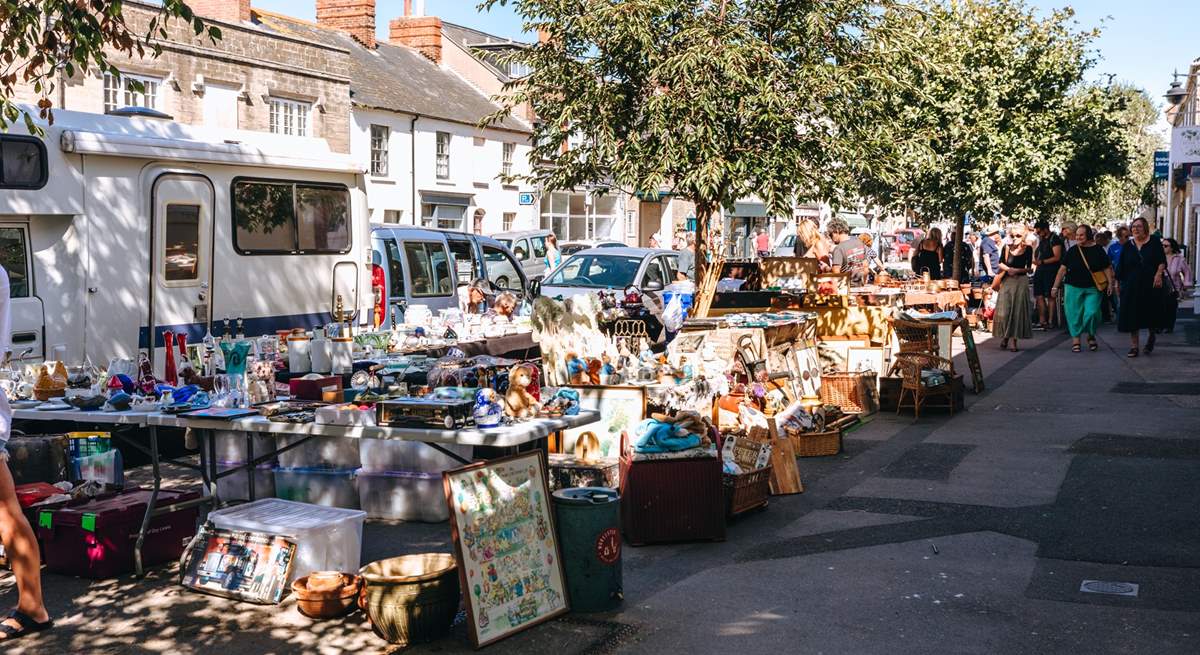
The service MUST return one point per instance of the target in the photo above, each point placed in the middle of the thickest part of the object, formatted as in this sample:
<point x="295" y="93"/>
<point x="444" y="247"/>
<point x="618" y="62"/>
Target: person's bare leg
<point x="21" y="546"/>
<point x="1042" y="311"/>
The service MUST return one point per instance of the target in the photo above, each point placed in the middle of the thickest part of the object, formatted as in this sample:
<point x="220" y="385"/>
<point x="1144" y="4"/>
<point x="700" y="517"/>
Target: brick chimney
<point x="229" y="11"/>
<point x="354" y="16"/>
<point x="422" y="33"/>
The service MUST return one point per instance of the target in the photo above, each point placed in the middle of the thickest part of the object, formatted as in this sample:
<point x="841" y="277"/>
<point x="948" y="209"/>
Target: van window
<point x="428" y="269"/>
<point x="22" y="162"/>
<point x="521" y="249"/>
<point x="395" y="271"/>
<point x="181" y="255"/>
<point x="539" y="246"/>
<point x="501" y="268"/>
<point x="279" y="217"/>
<point x="463" y="253"/>
<point x="13" y="256"/>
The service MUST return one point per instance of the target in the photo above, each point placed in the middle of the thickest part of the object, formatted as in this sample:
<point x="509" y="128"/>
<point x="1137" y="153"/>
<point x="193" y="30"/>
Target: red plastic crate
<point x="96" y="538"/>
<point x="664" y="501"/>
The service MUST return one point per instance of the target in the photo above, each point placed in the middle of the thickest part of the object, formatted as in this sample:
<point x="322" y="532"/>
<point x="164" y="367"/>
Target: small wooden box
<point x="566" y="471"/>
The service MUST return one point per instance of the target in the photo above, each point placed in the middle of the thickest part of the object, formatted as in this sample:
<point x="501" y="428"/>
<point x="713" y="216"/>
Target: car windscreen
<point x="595" y="271"/>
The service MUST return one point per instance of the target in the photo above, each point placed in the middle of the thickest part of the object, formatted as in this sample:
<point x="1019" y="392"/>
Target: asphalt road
<point x="971" y="534"/>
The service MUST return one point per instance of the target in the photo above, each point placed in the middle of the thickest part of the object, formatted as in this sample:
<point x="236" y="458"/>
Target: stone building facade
<point x="250" y="79"/>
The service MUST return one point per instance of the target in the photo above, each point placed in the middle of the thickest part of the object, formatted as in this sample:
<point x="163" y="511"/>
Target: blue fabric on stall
<point x="657" y="437"/>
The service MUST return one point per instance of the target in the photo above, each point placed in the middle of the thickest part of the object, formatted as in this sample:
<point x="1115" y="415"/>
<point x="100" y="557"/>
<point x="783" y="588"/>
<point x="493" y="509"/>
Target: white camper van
<point x="116" y="229"/>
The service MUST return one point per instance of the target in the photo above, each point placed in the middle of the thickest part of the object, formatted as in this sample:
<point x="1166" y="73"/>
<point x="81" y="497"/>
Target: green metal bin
<point x="589" y="533"/>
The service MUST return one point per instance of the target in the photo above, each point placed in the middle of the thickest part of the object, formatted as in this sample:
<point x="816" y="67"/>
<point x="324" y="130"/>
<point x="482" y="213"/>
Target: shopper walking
<point x="553" y="254"/>
<point x="763" y="244"/>
<point x="968" y="262"/>
<point x="687" y="258"/>
<point x="1083" y="281"/>
<point x="1141" y="284"/>
<point x="1114" y="254"/>
<point x="20" y="544"/>
<point x="1047" y="259"/>
<point x="927" y="260"/>
<point x="1179" y="281"/>
<point x="810" y="243"/>
<point x="1012" y="320"/>
<point x="989" y="253"/>
<point x="850" y="255"/>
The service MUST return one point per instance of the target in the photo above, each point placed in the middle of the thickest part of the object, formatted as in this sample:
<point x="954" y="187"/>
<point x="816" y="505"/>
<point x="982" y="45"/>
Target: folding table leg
<point x="154" y="463"/>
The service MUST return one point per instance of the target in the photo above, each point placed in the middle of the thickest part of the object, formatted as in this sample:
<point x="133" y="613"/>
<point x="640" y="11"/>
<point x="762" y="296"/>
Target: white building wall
<point x="394" y="190"/>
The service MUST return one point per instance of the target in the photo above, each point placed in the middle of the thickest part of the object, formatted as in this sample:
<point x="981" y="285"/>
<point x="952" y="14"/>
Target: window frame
<point x="233" y="217"/>
<point x="27" y="251"/>
<point x="507" y="220"/>
<point x="161" y="247"/>
<point x="302" y="114"/>
<point x="380" y="150"/>
<point x="408" y="272"/>
<point x="507" y="153"/>
<point x="124" y="92"/>
<point x="441" y="162"/>
<point x="509" y="259"/>
<point x="43" y="154"/>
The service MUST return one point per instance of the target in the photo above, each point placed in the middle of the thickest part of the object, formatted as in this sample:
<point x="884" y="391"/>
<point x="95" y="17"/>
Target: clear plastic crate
<point x="236" y="486"/>
<point x="379" y="455"/>
<point x="405" y="496"/>
<point x="319" y="452"/>
<point x="230" y="445"/>
<point x="327" y="538"/>
<point x="326" y="487"/>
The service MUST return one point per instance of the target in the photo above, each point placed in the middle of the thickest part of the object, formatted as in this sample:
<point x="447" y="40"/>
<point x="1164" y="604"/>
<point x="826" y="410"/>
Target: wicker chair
<point x="915" y="337"/>
<point x="909" y="365"/>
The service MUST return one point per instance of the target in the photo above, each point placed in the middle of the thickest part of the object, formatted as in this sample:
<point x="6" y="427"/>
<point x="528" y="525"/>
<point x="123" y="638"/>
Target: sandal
<point x="1092" y="345"/>
<point x="1149" y="345"/>
<point x="1014" y="347"/>
<point x="1004" y="344"/>
<point x="27" y="626"/>
<point x="1133" y="352"/>
<point x="1076" y="348"/>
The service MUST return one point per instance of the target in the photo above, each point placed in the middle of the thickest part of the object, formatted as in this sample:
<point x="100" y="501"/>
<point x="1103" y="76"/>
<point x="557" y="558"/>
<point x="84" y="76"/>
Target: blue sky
<point x="1143" y="40"/>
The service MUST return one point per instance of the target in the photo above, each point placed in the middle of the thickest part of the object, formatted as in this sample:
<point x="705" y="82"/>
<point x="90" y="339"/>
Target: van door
<point x="466" y="263"/>
<point x="180" y="273"/>
<point x="28" y="315"/>
<point x="428" y="276"/>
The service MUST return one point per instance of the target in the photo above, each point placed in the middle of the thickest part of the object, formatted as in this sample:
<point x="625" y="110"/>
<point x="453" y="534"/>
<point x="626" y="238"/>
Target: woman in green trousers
<point x="1085" y="278"/>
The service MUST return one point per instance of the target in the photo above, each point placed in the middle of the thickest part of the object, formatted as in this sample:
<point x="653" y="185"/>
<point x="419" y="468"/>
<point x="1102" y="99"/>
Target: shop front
<point x="446" y="211"/>
<point x="579" y="215"/>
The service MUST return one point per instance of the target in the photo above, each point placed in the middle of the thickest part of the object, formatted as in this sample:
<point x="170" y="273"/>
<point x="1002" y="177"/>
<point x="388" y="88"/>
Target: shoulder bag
<point x="1098" y="278"/>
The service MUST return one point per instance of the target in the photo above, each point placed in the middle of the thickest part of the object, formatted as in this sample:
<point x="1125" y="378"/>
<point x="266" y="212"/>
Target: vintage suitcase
<point x="568" y="471"/>
<point x="96" y="538"/>
<point x="671" y="500"/>
<point x="41" y="458"/>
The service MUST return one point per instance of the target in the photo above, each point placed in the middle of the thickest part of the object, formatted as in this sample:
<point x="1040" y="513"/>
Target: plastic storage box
<point x="40" y="458"/>
<point x="231" y="446"/>
<point x="318" y="452"/>
<point x="328" y="487"/>
<point x="95" y="538"/>
<point x="406" y="496"/>
<point x="327" y="538"/>
<point x="379" y="455"/>
<point x="236" y="486"/>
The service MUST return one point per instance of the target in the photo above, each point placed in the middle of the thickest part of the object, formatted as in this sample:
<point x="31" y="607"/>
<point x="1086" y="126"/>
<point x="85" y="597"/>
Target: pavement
<point x="965" y="534"/>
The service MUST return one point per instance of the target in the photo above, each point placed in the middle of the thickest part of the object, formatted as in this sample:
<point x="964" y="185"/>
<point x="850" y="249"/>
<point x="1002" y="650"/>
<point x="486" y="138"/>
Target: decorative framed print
<point x="865" y="360"/>
<point x="621" y="409"/>
<point x="247" y="566"/>
<point x="506" y="545"/>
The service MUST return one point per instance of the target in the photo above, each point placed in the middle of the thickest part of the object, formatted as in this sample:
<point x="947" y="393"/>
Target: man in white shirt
<point x="20" y="544"/>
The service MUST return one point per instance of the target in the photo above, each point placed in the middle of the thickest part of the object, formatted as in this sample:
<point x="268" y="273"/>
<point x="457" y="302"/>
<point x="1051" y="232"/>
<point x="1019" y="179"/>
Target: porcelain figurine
<point x="488" y="413"/>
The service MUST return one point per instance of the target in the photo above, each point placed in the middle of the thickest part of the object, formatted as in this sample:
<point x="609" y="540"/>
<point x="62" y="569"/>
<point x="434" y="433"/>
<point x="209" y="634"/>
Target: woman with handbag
<point x="1179" y="280"/>
<point x="1141" y="286"/>
<point x="1012" y="319"/>
<point x="1083" y="281"/>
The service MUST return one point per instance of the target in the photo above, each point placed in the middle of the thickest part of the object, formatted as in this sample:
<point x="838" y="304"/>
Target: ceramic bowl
<point x="330" y="594"/>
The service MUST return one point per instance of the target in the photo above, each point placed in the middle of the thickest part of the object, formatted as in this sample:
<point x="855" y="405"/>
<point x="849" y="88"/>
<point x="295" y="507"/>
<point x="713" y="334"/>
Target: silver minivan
<point x="529" y="248"/>
<point x="424" y="266"/>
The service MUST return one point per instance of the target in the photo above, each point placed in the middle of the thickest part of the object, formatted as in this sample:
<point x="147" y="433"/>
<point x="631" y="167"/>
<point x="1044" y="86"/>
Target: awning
<point x="446" y="199"/>
<point x="750" y="210"/>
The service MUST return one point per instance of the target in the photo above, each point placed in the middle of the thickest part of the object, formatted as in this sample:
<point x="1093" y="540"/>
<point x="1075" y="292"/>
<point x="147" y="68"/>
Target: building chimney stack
<point x="228" y="11"/>
<point x="357" y="17"/>
<point x="419" y="32"/>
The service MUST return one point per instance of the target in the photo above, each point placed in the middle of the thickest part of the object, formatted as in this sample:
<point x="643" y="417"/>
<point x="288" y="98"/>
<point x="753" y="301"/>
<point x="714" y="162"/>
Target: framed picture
<point x="247" y="566"/>
<point x="865" y="360"/>
<point x="835" y="353"/>
<point x="621" y="409"/>
<point x="506" y="545"/>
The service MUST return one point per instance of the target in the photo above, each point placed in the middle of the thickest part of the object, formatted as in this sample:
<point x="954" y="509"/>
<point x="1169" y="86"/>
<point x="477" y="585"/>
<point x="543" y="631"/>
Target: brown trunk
<point x="959" y="226"/>
<point x="707" y="271"/>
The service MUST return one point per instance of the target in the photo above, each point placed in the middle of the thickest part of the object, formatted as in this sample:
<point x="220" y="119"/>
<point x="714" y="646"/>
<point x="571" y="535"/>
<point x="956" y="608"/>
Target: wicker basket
<point x="747" y="491"/>
<point x="816" y="444"/>
<point x="853" y="393"/>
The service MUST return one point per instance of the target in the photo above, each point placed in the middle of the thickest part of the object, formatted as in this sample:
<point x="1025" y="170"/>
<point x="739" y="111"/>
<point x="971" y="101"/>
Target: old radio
<point x="425" y="413"/>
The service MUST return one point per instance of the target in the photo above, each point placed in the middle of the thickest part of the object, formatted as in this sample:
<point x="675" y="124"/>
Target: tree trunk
<point x="703" y="215"/>
<point x="959" y="226"/>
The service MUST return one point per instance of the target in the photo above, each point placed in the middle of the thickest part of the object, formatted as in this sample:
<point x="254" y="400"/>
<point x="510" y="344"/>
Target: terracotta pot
<point x="329" y="596"/>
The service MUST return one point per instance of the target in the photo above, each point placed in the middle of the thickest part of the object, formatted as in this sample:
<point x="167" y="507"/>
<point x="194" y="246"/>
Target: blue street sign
<point x="526" y="198"/>
<point x="1162" y="165"/>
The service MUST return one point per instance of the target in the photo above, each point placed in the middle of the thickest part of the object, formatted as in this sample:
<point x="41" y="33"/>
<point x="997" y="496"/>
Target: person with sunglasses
<point x="1012" y="321"/>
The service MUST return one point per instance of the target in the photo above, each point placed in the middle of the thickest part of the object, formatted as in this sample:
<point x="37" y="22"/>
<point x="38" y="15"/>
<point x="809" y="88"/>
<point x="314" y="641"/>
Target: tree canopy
<point x="41" y="38"/>
<point x="992" y="115"/>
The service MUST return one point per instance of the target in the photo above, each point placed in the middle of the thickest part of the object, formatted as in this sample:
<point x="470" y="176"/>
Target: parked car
<point x="785" y="245"/>
<point x="424" y="266"/>
<point x="906" y="240"/>
<point x="572" y="247"/>
<point x="614" y="269"/>
<point x="529" y="248"/>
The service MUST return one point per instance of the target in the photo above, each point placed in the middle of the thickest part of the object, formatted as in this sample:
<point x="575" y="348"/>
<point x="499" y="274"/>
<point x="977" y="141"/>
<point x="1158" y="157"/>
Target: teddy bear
<point x="518" y="402"/>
